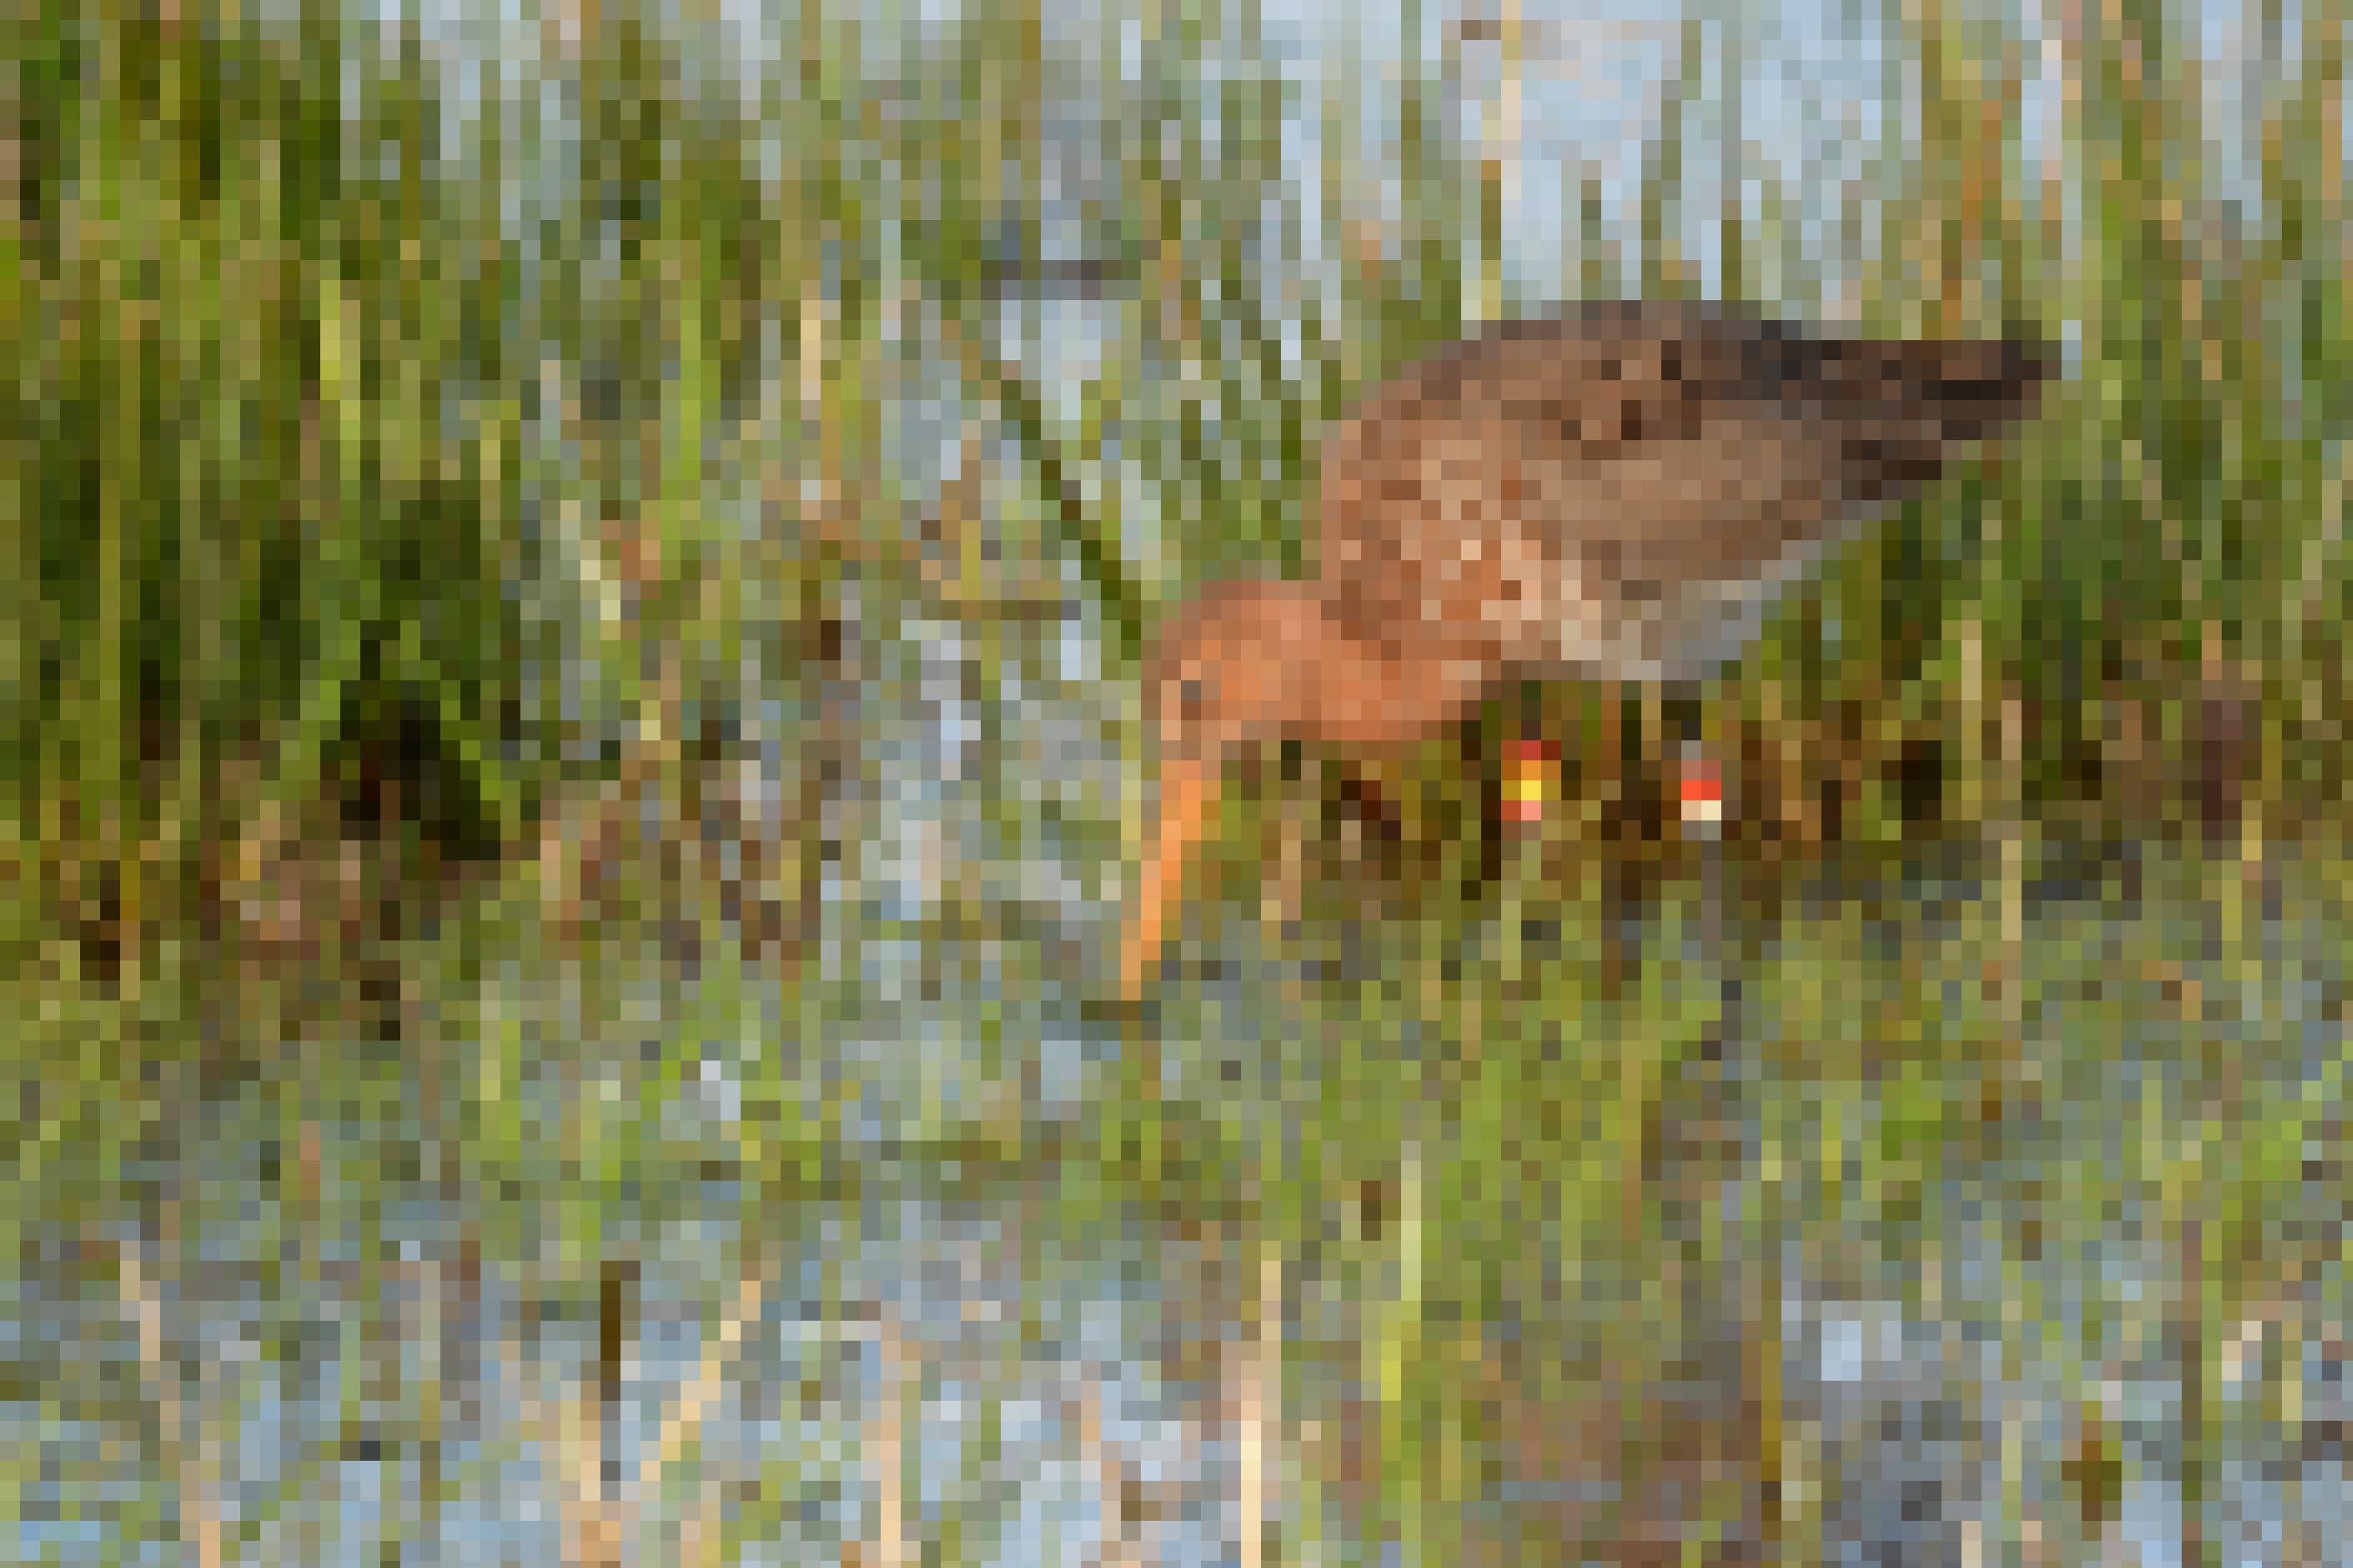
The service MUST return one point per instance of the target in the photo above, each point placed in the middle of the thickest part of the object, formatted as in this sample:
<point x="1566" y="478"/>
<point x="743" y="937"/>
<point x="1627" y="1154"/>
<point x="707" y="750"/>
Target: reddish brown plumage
<point x="1620" y="491"/>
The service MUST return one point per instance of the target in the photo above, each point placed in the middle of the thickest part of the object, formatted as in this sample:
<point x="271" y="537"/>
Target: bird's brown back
<point x="1617" y="466"/>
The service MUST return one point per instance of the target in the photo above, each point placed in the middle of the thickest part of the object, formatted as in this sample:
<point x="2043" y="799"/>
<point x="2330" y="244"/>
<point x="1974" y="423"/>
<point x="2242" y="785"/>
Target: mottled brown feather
<point x="1619" y="490"/>
<point x="1640" y="461"/>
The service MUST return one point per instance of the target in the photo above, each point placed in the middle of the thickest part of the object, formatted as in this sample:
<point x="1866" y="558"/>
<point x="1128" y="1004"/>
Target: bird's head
<point x="1252" y="662"/>
<point x="1241" y="665"/>
<point x="1234" y="670"/>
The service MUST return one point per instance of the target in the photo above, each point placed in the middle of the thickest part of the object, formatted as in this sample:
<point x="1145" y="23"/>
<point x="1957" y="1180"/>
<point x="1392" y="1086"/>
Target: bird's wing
<point x="1625" y="448"/>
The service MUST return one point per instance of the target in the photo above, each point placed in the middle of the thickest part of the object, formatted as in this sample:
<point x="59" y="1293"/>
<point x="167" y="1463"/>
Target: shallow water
<point x="372" y="1362"/>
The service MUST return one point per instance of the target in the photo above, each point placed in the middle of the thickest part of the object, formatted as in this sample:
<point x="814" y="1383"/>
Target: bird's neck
<point x="1368" y="695"/>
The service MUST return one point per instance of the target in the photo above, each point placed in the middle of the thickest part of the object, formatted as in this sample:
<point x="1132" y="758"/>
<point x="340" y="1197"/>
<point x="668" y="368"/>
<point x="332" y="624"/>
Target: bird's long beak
<point x="1189" y="792"/>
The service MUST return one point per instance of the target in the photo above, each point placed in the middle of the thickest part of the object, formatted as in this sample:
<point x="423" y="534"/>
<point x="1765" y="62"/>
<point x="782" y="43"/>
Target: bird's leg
<point x="1698" y="773"/>
<point x="1361" y="793"/>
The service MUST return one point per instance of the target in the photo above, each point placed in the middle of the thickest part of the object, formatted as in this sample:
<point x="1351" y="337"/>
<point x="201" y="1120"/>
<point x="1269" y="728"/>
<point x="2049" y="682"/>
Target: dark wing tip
<point x="2027" y="362"/>
<point x="1985" y="386"/>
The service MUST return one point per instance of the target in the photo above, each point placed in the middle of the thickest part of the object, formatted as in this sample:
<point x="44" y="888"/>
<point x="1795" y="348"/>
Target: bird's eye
<point x="1189" y="698"/>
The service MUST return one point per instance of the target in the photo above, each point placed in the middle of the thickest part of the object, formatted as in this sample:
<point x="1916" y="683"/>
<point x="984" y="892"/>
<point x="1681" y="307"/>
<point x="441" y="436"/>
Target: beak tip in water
<point x="1188" y="794"/>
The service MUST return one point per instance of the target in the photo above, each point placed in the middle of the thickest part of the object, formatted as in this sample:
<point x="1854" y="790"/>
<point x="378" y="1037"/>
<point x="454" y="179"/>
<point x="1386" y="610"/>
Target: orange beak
<point x="1188" y="791"/>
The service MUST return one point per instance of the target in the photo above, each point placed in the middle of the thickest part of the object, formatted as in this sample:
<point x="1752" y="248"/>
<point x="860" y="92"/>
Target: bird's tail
<point x="1973" y="389"/>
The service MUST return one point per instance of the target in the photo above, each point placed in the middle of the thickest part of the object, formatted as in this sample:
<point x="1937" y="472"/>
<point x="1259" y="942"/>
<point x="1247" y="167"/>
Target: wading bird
<point x="1617" y="491"/>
